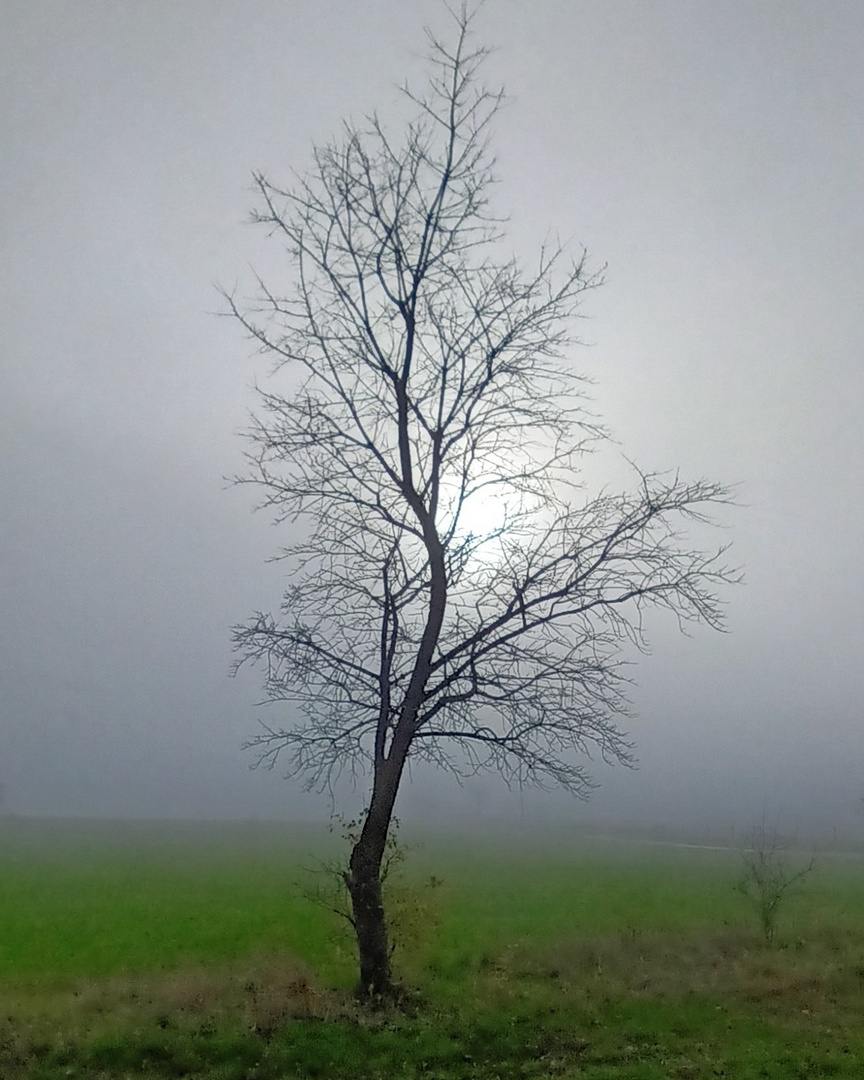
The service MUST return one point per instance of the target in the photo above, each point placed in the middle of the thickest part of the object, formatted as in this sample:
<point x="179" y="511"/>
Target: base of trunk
<point x="364" y="885"/>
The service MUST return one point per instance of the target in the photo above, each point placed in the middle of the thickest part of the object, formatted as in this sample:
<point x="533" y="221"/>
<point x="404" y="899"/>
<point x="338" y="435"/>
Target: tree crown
<point x="436" y="378"/>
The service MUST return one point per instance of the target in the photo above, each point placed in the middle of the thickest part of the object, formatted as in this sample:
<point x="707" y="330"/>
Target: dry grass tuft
<point x="260" y="995"/>
<point x="807" y="978"/>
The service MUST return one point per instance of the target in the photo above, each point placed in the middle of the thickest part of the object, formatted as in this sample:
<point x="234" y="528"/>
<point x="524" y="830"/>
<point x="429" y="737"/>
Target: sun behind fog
<point x="482" y="513"/>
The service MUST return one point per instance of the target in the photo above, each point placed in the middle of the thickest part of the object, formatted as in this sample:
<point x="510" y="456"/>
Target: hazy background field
<point x="94" y="897"/>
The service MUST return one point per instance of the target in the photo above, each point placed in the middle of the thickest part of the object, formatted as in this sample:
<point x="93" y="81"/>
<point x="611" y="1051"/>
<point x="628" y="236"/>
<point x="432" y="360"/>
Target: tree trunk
<point x="364" y="884"/>
<point x="363" y="879"/>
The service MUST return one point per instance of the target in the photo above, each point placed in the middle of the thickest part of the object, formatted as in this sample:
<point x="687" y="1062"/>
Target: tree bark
<point x="363" y="879"/>
<point x="364" y="884"/>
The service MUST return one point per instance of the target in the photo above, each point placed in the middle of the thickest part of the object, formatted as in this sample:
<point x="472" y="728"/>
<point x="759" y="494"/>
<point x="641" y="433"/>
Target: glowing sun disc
<point x="482" y="513"/>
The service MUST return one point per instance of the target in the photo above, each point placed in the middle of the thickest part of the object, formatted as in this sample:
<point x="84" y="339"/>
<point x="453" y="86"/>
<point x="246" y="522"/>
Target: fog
<point x="710" y="154"/>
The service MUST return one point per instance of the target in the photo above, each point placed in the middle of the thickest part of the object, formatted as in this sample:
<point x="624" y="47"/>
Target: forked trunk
<point x="363" y="876"/>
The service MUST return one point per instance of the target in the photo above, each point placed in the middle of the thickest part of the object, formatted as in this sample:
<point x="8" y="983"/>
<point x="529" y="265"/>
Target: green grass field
<point x="157" y="950"/>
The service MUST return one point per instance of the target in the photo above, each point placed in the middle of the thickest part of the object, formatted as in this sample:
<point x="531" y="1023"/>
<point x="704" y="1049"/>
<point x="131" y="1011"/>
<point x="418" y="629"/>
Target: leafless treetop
<point x="437" y="376"/>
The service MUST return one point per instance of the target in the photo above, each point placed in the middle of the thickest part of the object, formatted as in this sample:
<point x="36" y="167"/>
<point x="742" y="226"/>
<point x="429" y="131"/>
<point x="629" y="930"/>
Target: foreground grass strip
<point x="757" y="1013"/>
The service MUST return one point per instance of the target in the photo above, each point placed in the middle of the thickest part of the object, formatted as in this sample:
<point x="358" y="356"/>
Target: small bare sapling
<point x="768" y="878"/>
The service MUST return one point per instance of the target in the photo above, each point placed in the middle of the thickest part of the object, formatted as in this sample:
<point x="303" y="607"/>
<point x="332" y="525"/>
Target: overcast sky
<point x="711" y="153"/>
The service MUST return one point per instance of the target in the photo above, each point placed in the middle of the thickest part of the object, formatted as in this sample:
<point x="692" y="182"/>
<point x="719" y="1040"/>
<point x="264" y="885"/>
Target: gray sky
<point x="711" y="153"/>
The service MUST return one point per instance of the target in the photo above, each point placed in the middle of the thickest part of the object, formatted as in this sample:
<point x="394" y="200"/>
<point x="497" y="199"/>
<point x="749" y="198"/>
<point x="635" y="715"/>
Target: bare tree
<point x="437" y="386"/>
<point x="767" y="879"/>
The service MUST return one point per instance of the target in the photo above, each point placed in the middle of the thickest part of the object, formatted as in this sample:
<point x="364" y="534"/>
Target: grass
<point x="187" y="951"/>
<point x="95" y="905"/>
